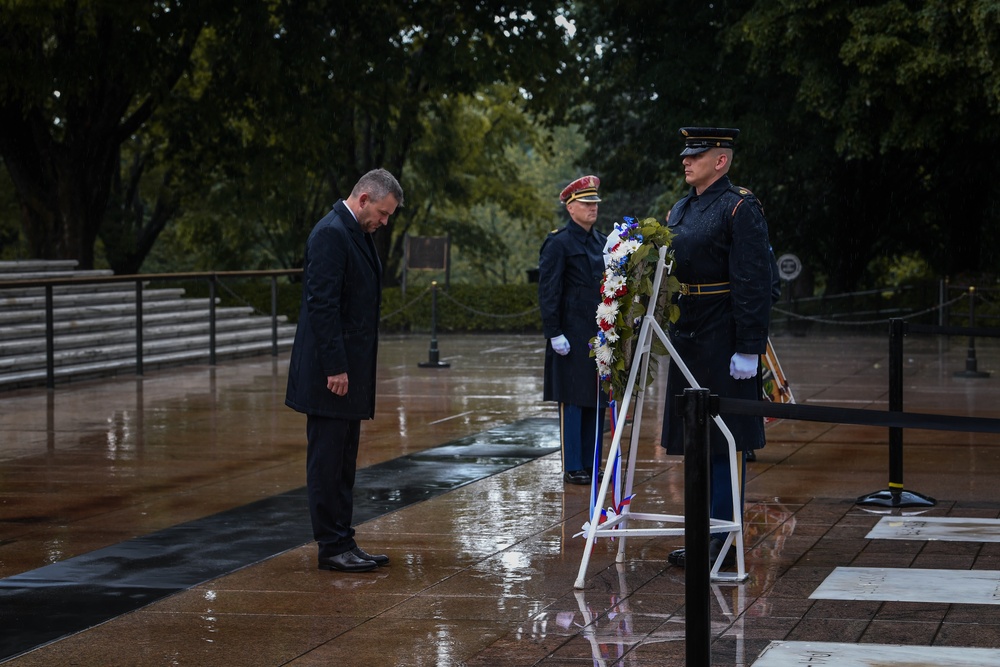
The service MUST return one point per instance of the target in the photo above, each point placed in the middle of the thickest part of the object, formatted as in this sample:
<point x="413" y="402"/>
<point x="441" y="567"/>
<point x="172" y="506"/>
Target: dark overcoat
<point x="720" y="236"/>
<point x="338" y="320"/>
<point x="570" y="268"/>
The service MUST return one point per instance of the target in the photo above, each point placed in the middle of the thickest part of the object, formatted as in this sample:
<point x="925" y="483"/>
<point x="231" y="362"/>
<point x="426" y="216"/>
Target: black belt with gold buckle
<point x="705" y="288"/>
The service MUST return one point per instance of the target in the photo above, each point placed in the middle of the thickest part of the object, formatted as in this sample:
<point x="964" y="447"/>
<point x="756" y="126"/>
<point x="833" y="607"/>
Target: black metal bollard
<point x="971" y="366"/>
<point x="138" y="327"/>
<point x="433" y="354"/>
<point x="50" y="339"/>
<point x="895" y="496"/>
<point x="697" y="512"/>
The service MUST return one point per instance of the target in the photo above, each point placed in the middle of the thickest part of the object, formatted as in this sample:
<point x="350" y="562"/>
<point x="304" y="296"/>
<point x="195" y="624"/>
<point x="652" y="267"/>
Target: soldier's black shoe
<point x="576" y="477"/>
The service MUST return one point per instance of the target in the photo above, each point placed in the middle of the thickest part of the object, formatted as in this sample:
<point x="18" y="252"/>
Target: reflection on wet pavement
<point x="483" y="558"/>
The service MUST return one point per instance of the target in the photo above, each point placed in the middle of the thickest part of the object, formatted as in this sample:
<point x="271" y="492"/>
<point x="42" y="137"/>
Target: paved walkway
<point x="120" y="497"/>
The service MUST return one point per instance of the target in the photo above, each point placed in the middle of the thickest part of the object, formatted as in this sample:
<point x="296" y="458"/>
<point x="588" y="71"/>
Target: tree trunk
<point x="62" y="187"/>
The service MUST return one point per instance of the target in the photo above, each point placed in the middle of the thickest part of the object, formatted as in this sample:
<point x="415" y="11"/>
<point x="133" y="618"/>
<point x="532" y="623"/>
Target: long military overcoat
<point x="338" y="320"/>
<point x="570" y="267"/>
<point x="720" y="237"/>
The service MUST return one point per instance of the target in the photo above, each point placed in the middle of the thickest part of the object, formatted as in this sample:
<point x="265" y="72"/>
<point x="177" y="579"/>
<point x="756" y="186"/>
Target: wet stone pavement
<point x="162" y="521"/>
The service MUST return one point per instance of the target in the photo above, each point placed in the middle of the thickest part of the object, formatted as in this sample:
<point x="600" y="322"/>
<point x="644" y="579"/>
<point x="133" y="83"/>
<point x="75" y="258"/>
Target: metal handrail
<point x="211" y="276"/>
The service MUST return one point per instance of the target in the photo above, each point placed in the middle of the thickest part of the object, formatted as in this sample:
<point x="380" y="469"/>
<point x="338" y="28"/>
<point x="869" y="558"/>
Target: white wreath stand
<point x="618" y="524"/>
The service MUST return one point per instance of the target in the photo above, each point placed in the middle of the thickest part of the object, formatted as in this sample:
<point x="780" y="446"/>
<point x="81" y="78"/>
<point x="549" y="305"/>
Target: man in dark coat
<point x="570" y="267"/>
<point x="723" y="259"/>
<point x="331" y="374"/>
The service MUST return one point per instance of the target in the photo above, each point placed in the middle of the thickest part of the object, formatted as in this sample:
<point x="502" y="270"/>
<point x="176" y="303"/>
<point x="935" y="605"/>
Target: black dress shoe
<point x="751" y="455"/>
<point x="346" y="562"/>
<point x="576" y="477"/>
<point x="678" y="557"/>
<point x="378" y="559"/>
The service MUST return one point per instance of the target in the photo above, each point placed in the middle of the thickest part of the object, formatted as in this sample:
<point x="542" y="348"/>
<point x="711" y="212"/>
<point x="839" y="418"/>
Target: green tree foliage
<point x="77" y="79"/>
<point x="907" y="94"/>
<point x="861" y="121"/>
<point x="495" y="174"/>
<point x="249" y="115"/>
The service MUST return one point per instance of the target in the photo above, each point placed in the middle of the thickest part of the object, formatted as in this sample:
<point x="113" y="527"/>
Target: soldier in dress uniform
<point x="570" y="267"/>
<point x="723" y="259"/>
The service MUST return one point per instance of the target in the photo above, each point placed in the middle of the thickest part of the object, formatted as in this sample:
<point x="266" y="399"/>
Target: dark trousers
<point x="722" y="490"/>
<point x="578" y="430"/>
<point x="331" y="465"/>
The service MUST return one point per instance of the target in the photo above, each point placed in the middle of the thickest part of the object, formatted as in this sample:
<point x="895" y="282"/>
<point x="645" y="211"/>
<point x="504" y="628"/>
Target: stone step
<point x="86" y="299"/>
<point x="45" y="275"/>
<point x="100" y="310"/>
<point x="110" y="368"/>
<point x="37" y="265"/>
<point x="107" y="352"/>
<point x="94" y="327"/>
<point x="85" y="288"/>
<point x="166" y="318"/>
<point x="69" y="339"/>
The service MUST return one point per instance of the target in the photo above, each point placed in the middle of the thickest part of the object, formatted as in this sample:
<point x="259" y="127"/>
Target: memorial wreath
<point x="626" y="289"/>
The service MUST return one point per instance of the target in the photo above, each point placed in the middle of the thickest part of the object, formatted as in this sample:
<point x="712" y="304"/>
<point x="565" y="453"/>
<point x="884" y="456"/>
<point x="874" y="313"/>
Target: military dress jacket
<point x="570" y="268"/>
<point x="338" y="320"/>
<point x="720" y="237"/>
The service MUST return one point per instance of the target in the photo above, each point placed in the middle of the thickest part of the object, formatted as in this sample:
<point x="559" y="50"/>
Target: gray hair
<point x="378" y="183"/>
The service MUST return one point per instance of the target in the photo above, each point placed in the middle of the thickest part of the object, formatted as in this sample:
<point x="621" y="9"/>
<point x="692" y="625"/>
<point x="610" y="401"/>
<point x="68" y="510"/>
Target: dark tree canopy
<point x="77" y="79"/>
<point x="860" y="120"/>
<point x="230" y="128"/>
<point x="249" y="105"/>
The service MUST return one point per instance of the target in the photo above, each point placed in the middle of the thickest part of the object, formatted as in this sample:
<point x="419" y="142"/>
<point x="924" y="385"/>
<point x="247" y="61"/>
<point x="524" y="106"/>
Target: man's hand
<point x="560" y="345"/>
<point x="743" y="366"/>
<point x="337" y="384"/>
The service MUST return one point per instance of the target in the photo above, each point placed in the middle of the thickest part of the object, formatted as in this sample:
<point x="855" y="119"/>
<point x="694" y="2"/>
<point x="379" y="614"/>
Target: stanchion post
<point x="697" y="512"/>
<point x="50" y="339"/>
<point x="433" y="354"/>
<point x="895" y="496"/>
<point x="971" y="366"/>
<point x="211" y="320"/>
<point x="138" y="327"/>
<point x="895" y="405"/>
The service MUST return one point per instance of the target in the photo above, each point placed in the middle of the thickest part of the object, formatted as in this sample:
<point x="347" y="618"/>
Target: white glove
<point x="560" y="345"/>
<point x="743" y="366"/>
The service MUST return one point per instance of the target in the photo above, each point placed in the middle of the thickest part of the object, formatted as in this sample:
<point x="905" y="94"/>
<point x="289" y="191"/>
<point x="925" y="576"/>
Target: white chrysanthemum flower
<point x="612" y="283"/>
<point x="611" y="335"/>
<point x="629" y="246"/>
<point x="607" y="312"/>
<point x="605" y="355"/>
<point x="619" y="251"/>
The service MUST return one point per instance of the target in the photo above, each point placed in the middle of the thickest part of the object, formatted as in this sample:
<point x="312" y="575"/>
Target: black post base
<point x="890" y="498"/>
<point x="971" y="374"/>
<point x="432" y="358"/>
<point x="433" y="364"/>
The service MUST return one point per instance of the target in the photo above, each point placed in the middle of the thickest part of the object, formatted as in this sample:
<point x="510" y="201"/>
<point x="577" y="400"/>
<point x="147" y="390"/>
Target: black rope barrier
<point x="895" y="419"/>
<point x="895" y="495"/>
<point x="982" y="332"/>
<point x="858" y="416"/>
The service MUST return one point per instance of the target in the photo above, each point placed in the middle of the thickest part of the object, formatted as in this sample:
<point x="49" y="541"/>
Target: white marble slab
<point x="830" y="654"/>
<point x="911" y="585"/>
<point x="949" y="529"/>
